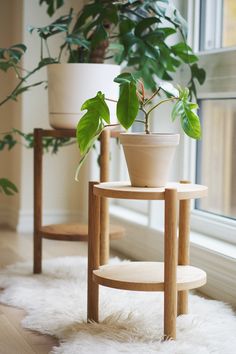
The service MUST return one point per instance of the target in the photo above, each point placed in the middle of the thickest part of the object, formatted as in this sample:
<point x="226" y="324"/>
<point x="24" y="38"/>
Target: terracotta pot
<point x="149" y="157"/>
<point x="69" y="85"/>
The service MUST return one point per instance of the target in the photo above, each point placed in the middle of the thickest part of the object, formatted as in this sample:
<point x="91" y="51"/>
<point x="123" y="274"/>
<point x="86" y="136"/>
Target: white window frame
<point x="216" y="226"/>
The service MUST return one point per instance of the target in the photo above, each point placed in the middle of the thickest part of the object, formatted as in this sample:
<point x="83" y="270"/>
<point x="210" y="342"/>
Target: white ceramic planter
<point x="69" y="85"/>
<point x="149" y="157"/>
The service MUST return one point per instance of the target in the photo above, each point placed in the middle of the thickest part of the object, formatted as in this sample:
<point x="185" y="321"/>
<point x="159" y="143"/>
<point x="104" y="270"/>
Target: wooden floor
<point x="18" y="247"/>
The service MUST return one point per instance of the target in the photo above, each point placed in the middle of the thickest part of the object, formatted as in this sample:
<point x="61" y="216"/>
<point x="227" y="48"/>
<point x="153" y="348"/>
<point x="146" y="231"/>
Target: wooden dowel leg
<point x="104" y="177"/>
<point x="170" y="268"/>
<point x="93" y="253"/>
<point x="38" y="151"/>
<point x="183" y="249"/>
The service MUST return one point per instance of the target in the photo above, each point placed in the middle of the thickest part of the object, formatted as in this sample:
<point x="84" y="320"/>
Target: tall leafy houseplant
<point x="10" y="59"/>
<point x="133" y="99"/>
<point x="134" y="33"/>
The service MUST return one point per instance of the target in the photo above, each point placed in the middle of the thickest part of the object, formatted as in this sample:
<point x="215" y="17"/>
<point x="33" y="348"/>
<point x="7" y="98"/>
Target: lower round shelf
<point x="75" y="232"/>
<point x="146" y="276"/>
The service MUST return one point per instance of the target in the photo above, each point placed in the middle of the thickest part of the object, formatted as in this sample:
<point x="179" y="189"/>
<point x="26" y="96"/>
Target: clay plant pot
<point x="149" y="157"/>
<point x="70" y="85"/>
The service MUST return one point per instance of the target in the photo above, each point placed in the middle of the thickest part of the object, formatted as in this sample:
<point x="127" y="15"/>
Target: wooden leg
<point x="104" y="177"/>
<point x="38" y="151"/>
<point x="183" y="252"/>
<point x="170" y="259"/>
<point x="93" y="253"/>
<point x="104" y="235"/>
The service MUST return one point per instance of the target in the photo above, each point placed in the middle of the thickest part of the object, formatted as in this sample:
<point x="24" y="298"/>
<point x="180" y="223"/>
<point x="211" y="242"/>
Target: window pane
<point x="216" y="157"/>
<point x="218" y="24"/>
<point x="229" y="23"/>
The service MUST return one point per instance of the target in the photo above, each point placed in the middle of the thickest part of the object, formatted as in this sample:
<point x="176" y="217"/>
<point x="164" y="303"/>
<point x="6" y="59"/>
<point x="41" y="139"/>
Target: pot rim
<point x="148" y="135"/>
<point x="149" y="140"/>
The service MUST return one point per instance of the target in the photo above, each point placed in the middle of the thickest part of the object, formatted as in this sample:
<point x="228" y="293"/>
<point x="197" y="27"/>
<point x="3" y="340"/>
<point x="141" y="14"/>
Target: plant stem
<point x="146" y="120"/>
<point x="110" y="99"/>
<point x="46" y="44"/>
<point x="112" y="125"/>
<point x="152" y="96"/>
<point x="159" y="103"/>
<point x="22" y="80"/>
<point x="139" y="121"/>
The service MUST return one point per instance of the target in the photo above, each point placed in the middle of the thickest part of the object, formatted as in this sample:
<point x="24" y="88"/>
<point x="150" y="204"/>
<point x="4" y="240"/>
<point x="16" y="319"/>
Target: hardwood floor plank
<point x="11" y="341"/>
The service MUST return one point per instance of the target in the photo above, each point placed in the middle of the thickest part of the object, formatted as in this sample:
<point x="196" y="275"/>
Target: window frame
<point x="204" y="222"/>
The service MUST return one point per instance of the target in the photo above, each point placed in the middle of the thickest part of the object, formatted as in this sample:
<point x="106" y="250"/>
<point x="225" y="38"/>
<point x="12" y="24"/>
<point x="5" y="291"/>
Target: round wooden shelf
<point x="75" y="232"/>
<point x="146" y="276"/>
<point x="123" y="190"/>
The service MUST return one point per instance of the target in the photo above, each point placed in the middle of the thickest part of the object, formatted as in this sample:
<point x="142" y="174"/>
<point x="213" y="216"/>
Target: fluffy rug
<point x="130" y="322"/>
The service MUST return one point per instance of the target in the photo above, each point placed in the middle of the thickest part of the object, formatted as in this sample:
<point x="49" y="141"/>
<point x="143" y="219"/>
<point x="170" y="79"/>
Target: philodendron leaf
<point x="124" y="78"/>
<point x="189" y="119"/>
<point x="169" y="88"/>
<point x="128" y="104"/>
<point x="7" y="187"/>
<point x="87" y="129"/>
<point x="99" y="105"/>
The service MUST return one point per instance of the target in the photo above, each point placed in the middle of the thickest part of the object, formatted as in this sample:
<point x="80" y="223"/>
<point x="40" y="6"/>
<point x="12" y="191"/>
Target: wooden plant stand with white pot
<point x="174" y="276"/>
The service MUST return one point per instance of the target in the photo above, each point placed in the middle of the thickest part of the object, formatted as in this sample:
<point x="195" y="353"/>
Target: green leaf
<point x="126" y="26"/>
<point x="98" y="36"/>
<point x="52" y="5"/>
<point x="7" y="187"/>
<point x="97" y="104"/>
<point x="177" y="110"/>
<point x="124" y="78"/>
<point x="78" y="40"/>
<point x="58" y="26"/>
<point x="184" y="52"/>
<point x="190" y="121"/>
<point x="128" y="104"/>
<point x="47" y="61"/>
<point x="20" y="90"/>
<point x="9" y="57"/>
<point x="145" y="24"/>
<point x="90" y="10"/>
<point x="111" y="14"/>
<point x="191" y="124"/>
<point x="169" y="89"/>
<point x="198" y="73"/>
<point x="87" y="130"/>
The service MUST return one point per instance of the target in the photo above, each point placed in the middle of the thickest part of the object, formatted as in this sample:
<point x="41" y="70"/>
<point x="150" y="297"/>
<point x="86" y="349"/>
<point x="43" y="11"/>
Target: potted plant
<point x="148" y="155"/>
<point x="133" y="34"/>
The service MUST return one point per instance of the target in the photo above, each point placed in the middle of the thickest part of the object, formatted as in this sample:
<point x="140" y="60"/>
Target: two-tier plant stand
<point x="174" y="276"/>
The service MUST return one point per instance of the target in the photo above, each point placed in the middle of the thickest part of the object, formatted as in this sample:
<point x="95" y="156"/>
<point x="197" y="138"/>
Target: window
<point x="216" y="159"/>
<point x="217" y="24"/>
<point x="214" y="35"/>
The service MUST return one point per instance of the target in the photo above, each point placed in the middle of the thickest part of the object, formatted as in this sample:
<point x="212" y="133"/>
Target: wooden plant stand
<point x="174" y="276"/>
<point x="76" y="231"/>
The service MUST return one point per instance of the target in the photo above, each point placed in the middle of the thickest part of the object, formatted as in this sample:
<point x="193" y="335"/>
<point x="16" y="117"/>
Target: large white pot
<point x="149" y="157"/>
<point x="69" y="85"/>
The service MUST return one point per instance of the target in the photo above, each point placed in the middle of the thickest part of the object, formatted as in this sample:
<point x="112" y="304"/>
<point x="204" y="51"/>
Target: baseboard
<point x="22" y="220"/>
<point x="8" y="217"/>
<point x="143" y="243"/>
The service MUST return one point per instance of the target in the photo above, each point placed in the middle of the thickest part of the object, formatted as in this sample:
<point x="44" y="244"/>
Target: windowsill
<point x="221" y="247"/>
<point x="203" y="241"/>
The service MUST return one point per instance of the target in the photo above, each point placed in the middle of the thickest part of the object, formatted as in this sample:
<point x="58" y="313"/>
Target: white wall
<point x="63" y="197"/>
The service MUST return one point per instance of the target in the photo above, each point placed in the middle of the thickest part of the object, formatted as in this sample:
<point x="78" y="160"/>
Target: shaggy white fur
<point x="130" y="322"/>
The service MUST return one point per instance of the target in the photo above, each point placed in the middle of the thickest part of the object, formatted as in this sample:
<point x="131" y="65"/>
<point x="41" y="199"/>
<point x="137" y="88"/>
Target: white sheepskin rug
<point x="130" y="322"/>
